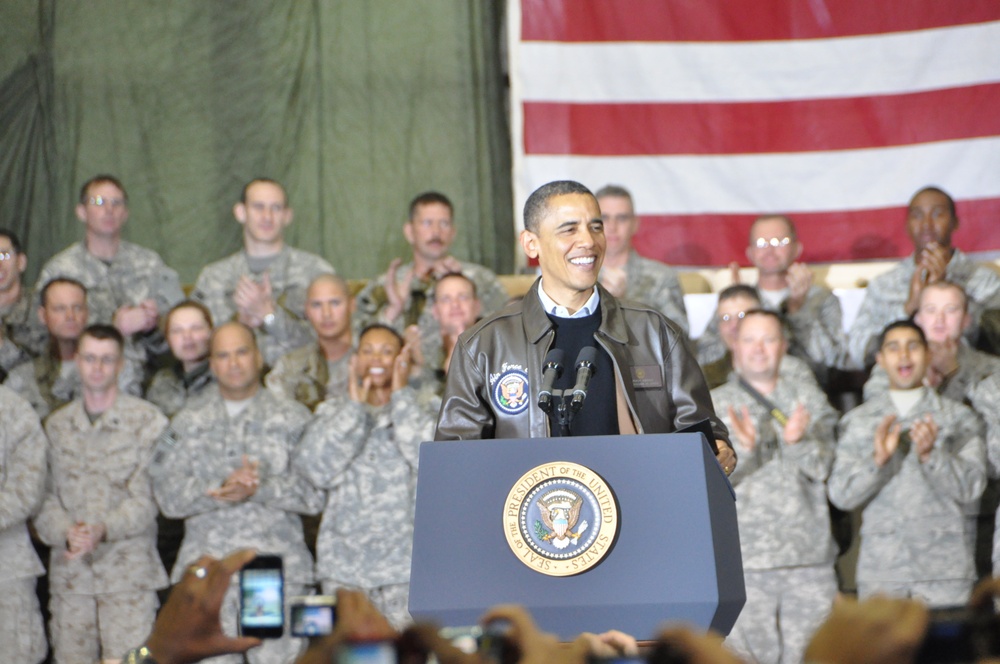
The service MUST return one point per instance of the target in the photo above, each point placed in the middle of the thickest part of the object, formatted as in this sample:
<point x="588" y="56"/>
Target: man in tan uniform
<point x="99" y="515"/>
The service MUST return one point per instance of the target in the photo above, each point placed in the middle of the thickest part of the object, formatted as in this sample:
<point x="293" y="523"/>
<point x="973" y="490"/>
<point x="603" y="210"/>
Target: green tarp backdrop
<point x="356" y="105"/>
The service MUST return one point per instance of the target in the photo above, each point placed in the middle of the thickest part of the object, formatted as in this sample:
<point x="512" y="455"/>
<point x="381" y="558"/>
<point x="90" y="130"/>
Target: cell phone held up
<point x="313" y="615"/>
<point x="262" y="598"/>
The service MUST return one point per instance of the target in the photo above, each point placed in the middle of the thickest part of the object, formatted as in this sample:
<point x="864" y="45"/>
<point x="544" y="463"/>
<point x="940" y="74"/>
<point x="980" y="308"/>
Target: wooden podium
<point x="675" y="556"/>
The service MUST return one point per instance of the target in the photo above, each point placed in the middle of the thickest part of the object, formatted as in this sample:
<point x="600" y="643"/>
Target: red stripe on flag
<point x="761" y="127"/>
<point x="718" y="239"/>
<point x="734" y="20"/>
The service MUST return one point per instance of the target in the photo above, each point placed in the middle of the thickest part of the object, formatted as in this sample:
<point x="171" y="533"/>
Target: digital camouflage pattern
<point x="656" y="285"/>
<point x="172" y="387"/>
<point x="305" y="376"/>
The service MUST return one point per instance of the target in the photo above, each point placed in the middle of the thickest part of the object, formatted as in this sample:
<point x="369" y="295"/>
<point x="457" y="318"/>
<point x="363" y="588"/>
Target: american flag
<point x="715" y="111"/>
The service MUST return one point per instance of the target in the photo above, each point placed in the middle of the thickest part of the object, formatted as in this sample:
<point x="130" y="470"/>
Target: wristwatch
<point x="268" y="320"/>
<point x="140" y="655"/>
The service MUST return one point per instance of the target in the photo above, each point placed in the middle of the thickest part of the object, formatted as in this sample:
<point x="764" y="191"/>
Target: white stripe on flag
<point x="749" y="71"/>
<point x="800" y="182"/>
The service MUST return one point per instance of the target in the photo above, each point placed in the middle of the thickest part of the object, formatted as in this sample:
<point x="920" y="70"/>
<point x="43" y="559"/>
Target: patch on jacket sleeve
<point x="509" y="389"/>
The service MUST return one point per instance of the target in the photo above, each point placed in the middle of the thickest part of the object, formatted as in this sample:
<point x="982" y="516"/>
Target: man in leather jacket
<point x="496" y="369"/>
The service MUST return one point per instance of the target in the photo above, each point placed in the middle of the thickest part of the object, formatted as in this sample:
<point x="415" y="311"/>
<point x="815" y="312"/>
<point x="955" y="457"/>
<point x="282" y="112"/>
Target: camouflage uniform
<point x="366" y="458"/>
<point x="784" y="522"/>
<point x="657" y="285"/>
<point x="135" y="274"/>
<point x="792" y="369"/>
<point x="372" y="300"/>
<point x="22" y="486"/>
<point x="815" y="332"/>
<point x="915" y="537"/>
<point x="98" y="475"/>
<point x="887" y="293"/>
<point x="985" y="399"/>
<point x="973" y="367"/>
<point x="172" y="388"/>
<point x="290" y="273"/>
<point x="22" y="326"/>
<point x="41" y="382"/>
<point x="305" y="376"/>
<point x="200" y="450"/>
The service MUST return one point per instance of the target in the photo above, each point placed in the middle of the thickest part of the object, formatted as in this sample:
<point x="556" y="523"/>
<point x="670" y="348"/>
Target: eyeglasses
<point x="100" y="201"/>
<point x="764" y="243"/>
<point x="7" y="256"/>
<point x="725" y="318"/>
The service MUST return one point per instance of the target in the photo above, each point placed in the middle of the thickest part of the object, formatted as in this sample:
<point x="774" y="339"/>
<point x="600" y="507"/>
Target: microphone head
<point x="587" y="357"/>
<point x="555" y="359"/>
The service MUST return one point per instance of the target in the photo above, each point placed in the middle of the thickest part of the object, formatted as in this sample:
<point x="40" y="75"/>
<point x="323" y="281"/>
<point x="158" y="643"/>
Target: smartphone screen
<point x="369" y="652"/>
<point x="262" y="601"/>
<point x="311" y="618"/>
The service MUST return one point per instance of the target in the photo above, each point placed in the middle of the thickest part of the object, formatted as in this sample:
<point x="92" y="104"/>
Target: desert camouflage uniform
<point x="973" y="366"/>
<point x="135" y="274"/>
<point x="22" y="487"/>
<point x="657" y="285"/>
<point x="290" y="273"/>
<point x="815" y="332"/>
<point x="784" y="522"/>
<point x="915" y="537"/>
<point x="11" y="355"/>
<point x="202" y="447"/>
<point x="305" y="376"/>
<point x="372" y="300"/>
<point x="366" y="458"/>
<point x="172" y="388"/>
<point x="985" y="399"/>
<point x="41" y="382"/>
<point x="22" y="326"/>
<point x="886" y="294"/>
<point x="98" y="475"/>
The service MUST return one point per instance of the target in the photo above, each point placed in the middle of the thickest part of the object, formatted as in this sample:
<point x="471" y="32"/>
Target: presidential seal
<point x="560" y="518"/>
<point x="510" y="390"/>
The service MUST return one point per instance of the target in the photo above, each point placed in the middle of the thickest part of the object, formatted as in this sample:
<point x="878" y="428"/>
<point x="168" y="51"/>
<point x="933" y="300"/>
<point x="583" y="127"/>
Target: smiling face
<point x="456" y="306"/>
<point x="942" y="315"/>
<point x="12" y="265"/>
<point x="904" y="358"/>
<point x="569" y="246"/>
<point x="729" y="314"/>
<point x="377" y="350"/>
<point x="759" y="347"/>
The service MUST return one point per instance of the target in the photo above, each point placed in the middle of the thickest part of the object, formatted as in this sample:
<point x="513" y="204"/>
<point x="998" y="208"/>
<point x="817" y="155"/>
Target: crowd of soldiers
<point x="276" y="410"/>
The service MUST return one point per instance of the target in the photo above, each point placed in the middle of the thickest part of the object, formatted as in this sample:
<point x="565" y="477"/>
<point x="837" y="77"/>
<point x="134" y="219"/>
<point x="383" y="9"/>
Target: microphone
<point x="585" y="367"/>
<point x="551" y="371"/>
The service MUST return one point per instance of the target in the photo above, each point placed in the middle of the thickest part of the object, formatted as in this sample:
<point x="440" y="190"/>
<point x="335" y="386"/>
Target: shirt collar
<point x="559" y="311"/>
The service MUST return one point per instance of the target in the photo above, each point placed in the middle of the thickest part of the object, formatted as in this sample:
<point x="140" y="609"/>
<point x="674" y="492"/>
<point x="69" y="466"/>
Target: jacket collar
<point x="537" y="323"/>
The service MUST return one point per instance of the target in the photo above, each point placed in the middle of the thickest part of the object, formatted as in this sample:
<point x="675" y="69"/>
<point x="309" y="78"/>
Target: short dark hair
<point x="101" y="179"/>
<point x="902" y="323"/>
<point x="937" y="190"/>
<point x="766" y="313"/>
<point x="616" y="191"/>
<point x="381" y="326"/>
<point x="189" y="304"/>
<point x="737" y="290"/>
<point x="537" y="205"/>
<point x="246" y="187"/>
<point x="44" y="293"/>
<point x="429" y="198"/>
<point x="459" y="275"/>
<point x="104" y="332"/>
<point x="15" y="241"/>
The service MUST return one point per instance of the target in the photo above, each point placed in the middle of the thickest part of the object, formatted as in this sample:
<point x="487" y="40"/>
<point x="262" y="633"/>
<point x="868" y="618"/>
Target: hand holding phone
<point x="262" y="598"/>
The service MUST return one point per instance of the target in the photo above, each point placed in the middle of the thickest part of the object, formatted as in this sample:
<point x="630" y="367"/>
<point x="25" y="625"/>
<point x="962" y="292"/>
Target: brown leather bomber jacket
<point x="496" y="371"/>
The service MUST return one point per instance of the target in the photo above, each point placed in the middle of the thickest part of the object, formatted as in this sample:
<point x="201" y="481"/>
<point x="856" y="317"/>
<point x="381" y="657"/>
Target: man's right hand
<point x="396" y="292"/>
<point x="886" y="439"/>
